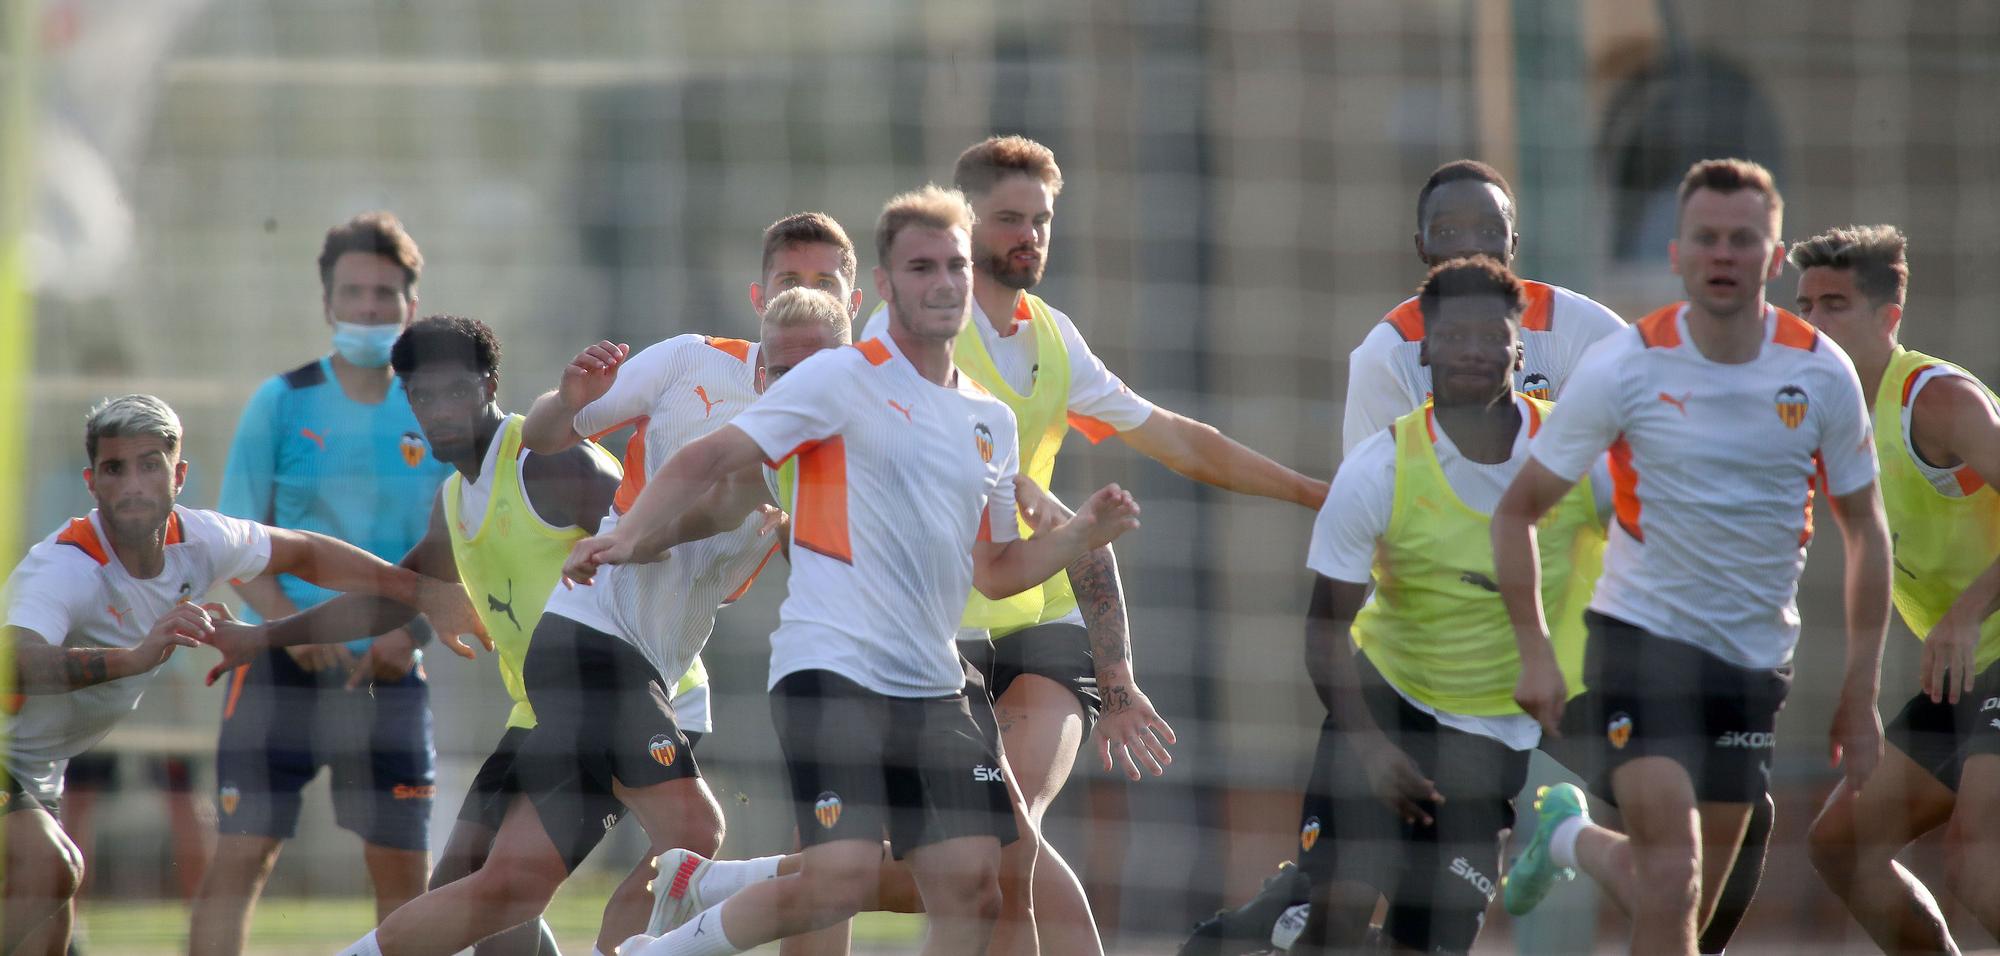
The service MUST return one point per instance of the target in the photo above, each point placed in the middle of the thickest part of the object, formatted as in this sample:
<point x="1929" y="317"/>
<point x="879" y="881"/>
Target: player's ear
<point x="1513" y="246"/>
<point x="1417" y="239"/>
<point x="854" y="304"/>
<point x="1520" y="356"/>
<point x="1674" y="256"/>
<point x="90" y="480"/>
<point x="763" y="377"/>
<point x="882" y="290"/>
<point x="1892" y="317"/>
<point x="1777" y="260"/>
<point x="1424" y="351"/>
<point x="180" y="476"/>
<point x="491" y="383"/>
<point x="757" y="297"/>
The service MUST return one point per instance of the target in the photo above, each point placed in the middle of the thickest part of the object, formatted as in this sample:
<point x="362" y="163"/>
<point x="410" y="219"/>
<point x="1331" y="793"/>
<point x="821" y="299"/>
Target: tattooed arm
<point x="44" y="668"/>
<point x="1129" y="727"/>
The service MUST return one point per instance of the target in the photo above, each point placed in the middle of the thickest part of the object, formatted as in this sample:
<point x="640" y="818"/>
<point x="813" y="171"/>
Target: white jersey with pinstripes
<point x="1385" y="379"/>
<point x="1712" y="468"/>
<point x="72" y="591"/>
<point x="898" y="477"/>
<point x="672" y="393"/>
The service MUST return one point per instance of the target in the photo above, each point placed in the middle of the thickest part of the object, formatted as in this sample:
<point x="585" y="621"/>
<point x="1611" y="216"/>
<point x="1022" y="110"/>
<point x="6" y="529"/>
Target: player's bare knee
<point x="520" y="890"/>
<point x="1830" y="841"/>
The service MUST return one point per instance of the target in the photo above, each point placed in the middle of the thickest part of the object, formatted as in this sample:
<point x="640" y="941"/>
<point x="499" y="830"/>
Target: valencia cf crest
<point x="827" y="809"/>
<point x="982" y="437"/>
<point x="1619" y="730"/>
<point x="413" y="449"/>
<point x="1309" y="835"/>
<point x="1791" y="405"/>
<point x="663" y="750"/>
<point x="229" y="797"/>
<point x="1536" y="385"/>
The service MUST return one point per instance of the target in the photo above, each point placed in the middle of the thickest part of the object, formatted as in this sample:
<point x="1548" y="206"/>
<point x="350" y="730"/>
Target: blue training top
<point x="309" y="458"/>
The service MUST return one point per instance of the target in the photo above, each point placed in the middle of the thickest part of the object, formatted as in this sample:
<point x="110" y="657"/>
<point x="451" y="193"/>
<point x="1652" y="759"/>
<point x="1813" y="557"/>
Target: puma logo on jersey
<point x="1480" y="581"/>
<point x="905" y="409"/>
<point x="707" y="406"/>
<point x="315" y="437"/>
<point x="1680" y="403"/>
<point x="115" y="612"/>
<point x="494" y="604"/>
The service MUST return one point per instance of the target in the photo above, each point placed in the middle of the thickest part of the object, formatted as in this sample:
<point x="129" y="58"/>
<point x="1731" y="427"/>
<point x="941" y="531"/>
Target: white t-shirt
<point x="72" y="591"/>
<point x="673" y="392"/>
<point x="1952" y="482"/>
<point x="1356" y="516"/>
<point x="1713" y="467"/>
<point x="1385" y="381"/>
<point x="898" y="477"/>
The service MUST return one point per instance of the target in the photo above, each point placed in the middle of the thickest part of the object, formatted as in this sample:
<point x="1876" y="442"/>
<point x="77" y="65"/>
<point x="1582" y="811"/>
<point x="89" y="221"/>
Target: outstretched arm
<point x="1517" y="567"/>
<point x="649" y="529"/>
<point x="1004" y="569"/>
<point x="1198" y="451"/>
<point x="1394" y="778"/>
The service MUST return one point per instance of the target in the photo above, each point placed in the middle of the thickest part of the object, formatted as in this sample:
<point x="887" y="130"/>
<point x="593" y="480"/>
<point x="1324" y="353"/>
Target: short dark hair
<point x="808" y="228"/>
<point x="1471" y="275"/>
<point x="379" y="233"/>
<point x="1728" y="176"/>
<point x="446" y="338"/>
<point x="1461" y="170"/>
<point x="990" y="160"/>
<point x="1878" y="256"/>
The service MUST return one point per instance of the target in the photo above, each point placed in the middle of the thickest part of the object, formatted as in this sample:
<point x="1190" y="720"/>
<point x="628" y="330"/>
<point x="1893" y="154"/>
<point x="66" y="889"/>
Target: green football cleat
<point x="1533" y="872"/>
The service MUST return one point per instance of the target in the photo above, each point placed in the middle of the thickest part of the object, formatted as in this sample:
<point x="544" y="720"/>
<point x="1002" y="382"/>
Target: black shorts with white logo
<point x="1941" y="736"/>
<point x="1437" y="878"/>
<point x="1057" y="651"/>
<point x="497" y="783"/>
<point x="862" y="765"/>
<point x="1651" y="696"/>
<point x="603" y="714"/>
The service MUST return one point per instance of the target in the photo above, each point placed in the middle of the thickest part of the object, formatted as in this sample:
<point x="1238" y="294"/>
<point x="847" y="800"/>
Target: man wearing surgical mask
<point x="333" y="447"/>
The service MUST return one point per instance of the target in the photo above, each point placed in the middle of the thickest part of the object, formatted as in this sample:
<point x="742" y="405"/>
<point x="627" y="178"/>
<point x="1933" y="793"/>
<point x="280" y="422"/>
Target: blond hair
<point x="932" y="207"/>
<point x="803" y="307"/>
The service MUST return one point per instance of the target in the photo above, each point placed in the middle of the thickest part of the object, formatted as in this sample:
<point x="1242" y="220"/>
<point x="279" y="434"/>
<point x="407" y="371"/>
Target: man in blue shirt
<point x="331" y="447"/>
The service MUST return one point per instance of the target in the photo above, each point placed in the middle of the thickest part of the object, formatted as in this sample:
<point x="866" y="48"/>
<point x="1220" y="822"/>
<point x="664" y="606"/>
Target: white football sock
<point x="1562" y="843"/>
<point x="701" y="936"/>
<point x="725" y="878"/>
<point x="365" y="946"/>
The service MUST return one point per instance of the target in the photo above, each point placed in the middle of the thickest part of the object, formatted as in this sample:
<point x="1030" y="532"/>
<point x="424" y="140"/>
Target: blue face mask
<point x="365" y="345"/>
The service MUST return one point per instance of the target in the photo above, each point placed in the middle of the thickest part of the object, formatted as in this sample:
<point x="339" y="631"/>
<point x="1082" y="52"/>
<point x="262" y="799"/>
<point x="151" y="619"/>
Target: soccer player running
<point x="904" y="504"/>
<point x="1937" y="438"/>
<point x="332" y="447"/>
<point x="1424" y="747"/>
<point x="99" y="605"/>
<point x="1051" y="665"/>
<point x="502" y="525"/>
<point x="1718" y="414"/>
<point x="607" y="737"/>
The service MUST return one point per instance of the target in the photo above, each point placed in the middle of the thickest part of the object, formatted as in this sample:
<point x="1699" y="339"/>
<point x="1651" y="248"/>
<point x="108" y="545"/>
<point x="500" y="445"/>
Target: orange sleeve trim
<point x="800" y="449"/>
<point x="738" y="348"/>
<point x="752" y="579"/>
<point x="1659" y="330"/>
<point x="1910" y="384"/>
<point x="1818" y="478"/>
<point x="819" y="516"/>
<point x="634" y="481"/>
<point x="174" y="533"/>
<point x="1095" y="429"/>
<point x="986" y="523"/>
<point x="82" y="536"/>
<point x="1794" y="332"/>
<point x="1625" y="489"/>
<point x="235" y="690"/>
<point x="1540" y="316"/>
<point x="1407" y="320"/>
<point x="639" y="421"/>
<point x="874" y="351"/>
<point x="1968" y="480"/>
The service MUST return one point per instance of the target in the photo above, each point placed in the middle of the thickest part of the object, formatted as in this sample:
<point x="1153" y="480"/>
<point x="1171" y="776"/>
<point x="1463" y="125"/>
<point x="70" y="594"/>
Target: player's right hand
<point x="450" y="611"/>
<point x="239" y="643"/>
<point x="1108" y="515"/>
<point x="1950" y="650"/>
<point x="592" y="553"/>
<point x="588" y="376"/>
<point x="1541" y="692"/>
<point x="184" y="625"/>
<point x="1396" y="780"/>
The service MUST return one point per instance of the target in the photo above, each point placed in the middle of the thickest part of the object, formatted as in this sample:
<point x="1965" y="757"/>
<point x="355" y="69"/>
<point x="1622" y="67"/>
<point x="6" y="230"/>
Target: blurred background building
<point x="1239" y="206"/>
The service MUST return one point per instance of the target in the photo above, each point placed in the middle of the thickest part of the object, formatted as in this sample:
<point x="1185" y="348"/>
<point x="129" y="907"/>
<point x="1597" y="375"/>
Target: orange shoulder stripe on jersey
<point x="1660" y="330"/>
<point x="1818" y="477"/>
<point x="82" y="535"/>
<point x="735" y="347"/>
<point x="752" y="579"/>
<point x="1407" y="320"/>
<point x="1095" y="429"/>
<point x="1431" y="422"/>
<point x="1540" y="316"/>
<point x="634" y="481"/>
<point x="1794" y="332"/>
<point x="819" y="511"/>
<point x="1534" y="419"/>
<point x="874" y="351"/>
<point x="1910" y="384"/>
<point x="174" y="533"/>
<point x="1625" y="489"/>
